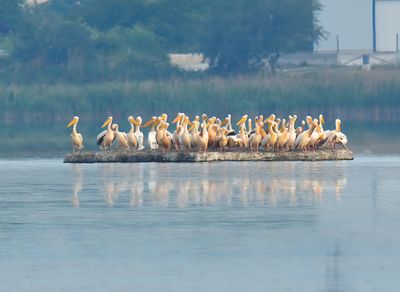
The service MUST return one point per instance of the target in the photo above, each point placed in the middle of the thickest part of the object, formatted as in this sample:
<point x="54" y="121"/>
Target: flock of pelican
<point x="270" y="134"/>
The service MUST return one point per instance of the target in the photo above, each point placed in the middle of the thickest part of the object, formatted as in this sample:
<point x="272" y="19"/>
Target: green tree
<point x="9" y="15"/>
<point x="239" y="34"/>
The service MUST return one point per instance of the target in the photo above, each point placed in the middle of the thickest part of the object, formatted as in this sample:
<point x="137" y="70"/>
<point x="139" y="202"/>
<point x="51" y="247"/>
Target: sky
<point x="351" y="20"/>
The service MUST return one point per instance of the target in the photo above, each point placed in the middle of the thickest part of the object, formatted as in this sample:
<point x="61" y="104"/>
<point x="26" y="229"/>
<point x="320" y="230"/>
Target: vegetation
<point x="89" y="41"/>
<point x="351" y="94"/>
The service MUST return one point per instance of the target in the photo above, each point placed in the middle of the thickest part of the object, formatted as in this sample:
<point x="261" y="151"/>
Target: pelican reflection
<point x="182" y="187"/>
<point x="77" y="184"/>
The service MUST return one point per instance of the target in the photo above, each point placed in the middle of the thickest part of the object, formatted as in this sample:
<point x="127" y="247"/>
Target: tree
<point x="9" y="15"/>
<point x="239" y="34"/>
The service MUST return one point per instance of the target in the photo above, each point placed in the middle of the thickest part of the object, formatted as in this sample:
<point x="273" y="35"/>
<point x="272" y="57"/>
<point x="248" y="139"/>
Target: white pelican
<point x="166" y="139"/>
<point x="194" y="132"/>
<point x="262" y="130"/>
<point x="306" y="137"/>
<point x="138" y="133"/>
<point x="229" y="123"/>
<point x="271" y="137"/>
<point x="212" y="132"/>
<point x="321" y="122"/>
<point x="178" y="131"/>
<point x="106" y="138"/>
<point x="283" y="137"/>
<point x="223" y="139"/>
<point x="301" y="133"/>
<point x="76" y="138"/>
<point x="255" y="139"/>
<point x="202" y="141"/>
<point x="292" y="132"/>
<point x="243" y="136"/>
<point x="317" y="136"/>
<point x="184" y="138"/>
<point x="121" y="137"/>
<point x="132" y="140"/>
<point x="151" y="138"/>
<point x="250" y="126"/>
<point x="336" y="136"/>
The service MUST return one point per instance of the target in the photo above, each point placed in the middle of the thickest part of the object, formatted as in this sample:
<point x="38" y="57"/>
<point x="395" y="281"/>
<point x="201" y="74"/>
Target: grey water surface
<point x="235" y="226"/>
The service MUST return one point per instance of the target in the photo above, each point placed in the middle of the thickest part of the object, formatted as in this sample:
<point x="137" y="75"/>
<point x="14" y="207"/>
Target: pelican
<point x="166" y="139"/>
<point x="223" y="139"/>
<point x="250" y="126"/>
<point x="202" y="141"/>
<point x="283" y="137"/>
<point x="178" y="131"/>
<point x="321" y="122"/>
<point x="76" y="138"/>
<point x="151" y="138"/>
<point x="292" y="132"/>
<point x="242" y="132"/>
<point x="132" y="139"/>
<point x="300" y="135"/>
<point x="184" y="138"/>
<point x="138" y="133"/>
<point x="194" y="132"/>
<point x="121" y="137"/>
<point x="336" y="136"/>
<point x="212" y="132"/>
<point x="255" y="139"/>
<point x="306" y="136"/>
<point x="261" y="123"/>
<point x="106" y="138"/>
<point x="229" y="124"/>
<point x="317" y="136"/>
<point x="271" y="137"/>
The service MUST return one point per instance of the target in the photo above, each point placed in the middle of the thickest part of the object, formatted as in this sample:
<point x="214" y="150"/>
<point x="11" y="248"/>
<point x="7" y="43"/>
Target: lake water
<point x="247" y="226"/>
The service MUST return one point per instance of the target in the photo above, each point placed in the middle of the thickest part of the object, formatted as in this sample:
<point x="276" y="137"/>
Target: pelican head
<point x="114" y="127"/>
<point x="164" y="117"/>
<point x="197" y="118"/>
<point x="150" y="122"/>
<point x="108" y="121"/>
<point x="204" y="117"/>
<point x="74" y="121"/>
<point x="178" y="118"/>
<point x="211" y="121"/>
<point x="186" y="120"/>
<point x="309" y="120"/>
<point x="138" y="121"/>
<point x="242" y="120"/>
<point x="131" y="119"/>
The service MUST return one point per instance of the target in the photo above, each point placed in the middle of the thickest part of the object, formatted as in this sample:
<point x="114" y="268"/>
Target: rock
<point x="157" y="156"/>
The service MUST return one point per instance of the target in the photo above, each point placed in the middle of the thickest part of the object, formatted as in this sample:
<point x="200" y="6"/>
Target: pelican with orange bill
<point x="76" y="138"/>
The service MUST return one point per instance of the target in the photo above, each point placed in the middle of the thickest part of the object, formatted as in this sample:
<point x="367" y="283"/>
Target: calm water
<point x="295" y="226"/>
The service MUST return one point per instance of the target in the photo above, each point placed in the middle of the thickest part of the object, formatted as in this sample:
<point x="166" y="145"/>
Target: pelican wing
<point x="80" y="137"/>
<point x="231" y="133"/>
<point x="100" y="137"/>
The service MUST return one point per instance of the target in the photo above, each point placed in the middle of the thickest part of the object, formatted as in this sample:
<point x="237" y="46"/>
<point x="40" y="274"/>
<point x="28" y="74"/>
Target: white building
<point x="386" y="25"/>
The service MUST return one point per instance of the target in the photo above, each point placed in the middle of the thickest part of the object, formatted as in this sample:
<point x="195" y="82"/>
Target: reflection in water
<point x="184" y="185"/>
<point x="77" y="186"/>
